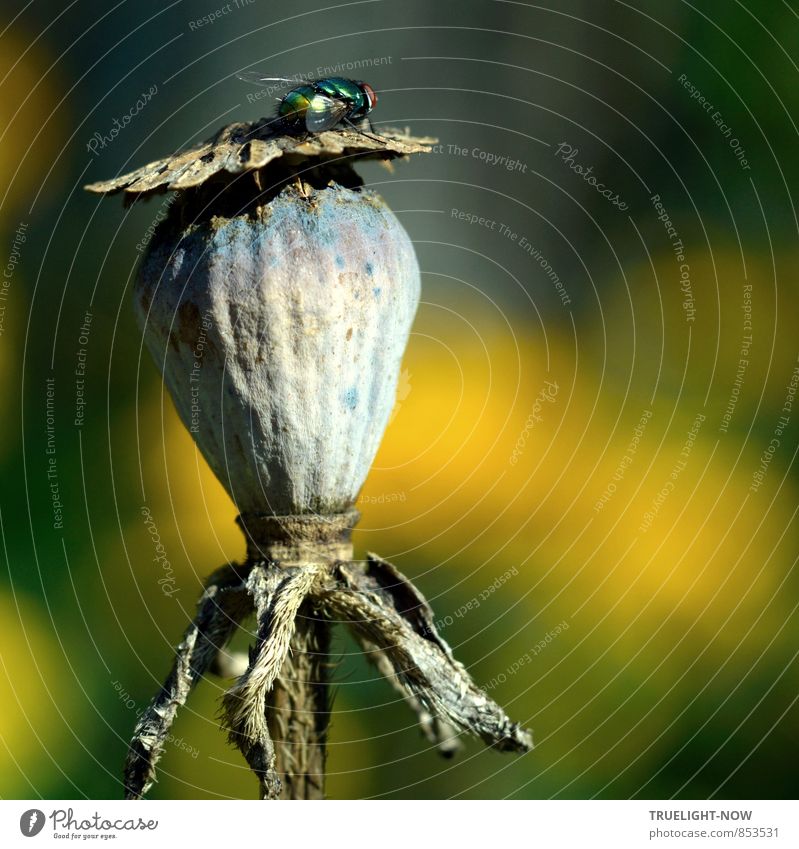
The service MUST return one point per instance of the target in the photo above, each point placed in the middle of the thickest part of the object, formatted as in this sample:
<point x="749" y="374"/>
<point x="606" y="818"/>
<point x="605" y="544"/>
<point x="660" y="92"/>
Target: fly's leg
<point x="369" y="132"/>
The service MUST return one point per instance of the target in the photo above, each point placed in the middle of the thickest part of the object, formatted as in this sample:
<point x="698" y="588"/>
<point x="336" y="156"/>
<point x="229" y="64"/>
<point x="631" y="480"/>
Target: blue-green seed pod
<point x="280" y="335"/>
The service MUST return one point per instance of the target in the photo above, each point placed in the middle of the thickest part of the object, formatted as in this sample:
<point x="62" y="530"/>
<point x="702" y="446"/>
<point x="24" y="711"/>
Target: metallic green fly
<point x="317" y="105"/>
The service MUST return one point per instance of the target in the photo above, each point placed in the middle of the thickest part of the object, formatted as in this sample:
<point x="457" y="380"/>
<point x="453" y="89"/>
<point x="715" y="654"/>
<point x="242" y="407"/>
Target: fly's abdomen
<point x="296" y="103"/>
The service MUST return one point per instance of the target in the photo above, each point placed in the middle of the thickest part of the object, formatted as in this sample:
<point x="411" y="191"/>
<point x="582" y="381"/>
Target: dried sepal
<point x="394" y="625"/>
<point x="441" y="734"/>
<point x="223" y="605"/>
<point x="414" y="607"/>
<point x="407" y="599"/>
<point x="372" y="603"/>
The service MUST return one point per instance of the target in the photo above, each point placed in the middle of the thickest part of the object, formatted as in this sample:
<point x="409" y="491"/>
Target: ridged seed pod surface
<point x="280" y="335"/>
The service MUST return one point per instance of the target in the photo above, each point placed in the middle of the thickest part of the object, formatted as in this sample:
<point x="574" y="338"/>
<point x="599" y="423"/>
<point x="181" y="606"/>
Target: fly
<point x="317" y="105"/>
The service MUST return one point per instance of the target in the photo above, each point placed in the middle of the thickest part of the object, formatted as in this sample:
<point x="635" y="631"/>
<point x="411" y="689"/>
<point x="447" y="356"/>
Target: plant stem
<point x="298" y="710"/>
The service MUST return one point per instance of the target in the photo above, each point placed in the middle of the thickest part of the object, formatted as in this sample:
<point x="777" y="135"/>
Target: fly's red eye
<point x="371" y="96"/>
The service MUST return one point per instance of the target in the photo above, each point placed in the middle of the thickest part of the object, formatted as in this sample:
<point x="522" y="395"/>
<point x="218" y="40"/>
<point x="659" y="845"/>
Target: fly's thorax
<point x="341" y="88"/>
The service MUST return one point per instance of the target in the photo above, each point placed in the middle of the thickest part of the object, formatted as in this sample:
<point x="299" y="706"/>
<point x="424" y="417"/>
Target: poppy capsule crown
<point x="371" y="95"/>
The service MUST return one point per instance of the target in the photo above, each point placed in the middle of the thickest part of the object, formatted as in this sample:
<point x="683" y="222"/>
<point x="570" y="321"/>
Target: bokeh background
<point x="650" y="640"/>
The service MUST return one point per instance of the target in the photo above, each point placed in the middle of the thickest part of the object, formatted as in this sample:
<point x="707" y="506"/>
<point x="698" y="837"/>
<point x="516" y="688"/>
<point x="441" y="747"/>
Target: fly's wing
<point x="276" y="86"/>
<point x="324" y="113"/>
<point x="257" y="77"/>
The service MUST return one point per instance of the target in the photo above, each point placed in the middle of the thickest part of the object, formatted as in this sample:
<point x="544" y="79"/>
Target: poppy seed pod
<point x="280" y="333"/>
<point x="277" y="298"/>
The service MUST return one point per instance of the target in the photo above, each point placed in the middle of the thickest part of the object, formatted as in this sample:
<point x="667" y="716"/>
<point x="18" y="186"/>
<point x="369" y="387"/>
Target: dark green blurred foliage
<point x="677" y="674"/>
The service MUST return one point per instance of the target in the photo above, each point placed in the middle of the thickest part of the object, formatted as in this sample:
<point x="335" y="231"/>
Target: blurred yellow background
<point x="648" y="637"/>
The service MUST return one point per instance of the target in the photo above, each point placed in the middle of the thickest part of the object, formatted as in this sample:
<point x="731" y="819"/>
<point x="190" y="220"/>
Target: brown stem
<point x="298" y="710"/>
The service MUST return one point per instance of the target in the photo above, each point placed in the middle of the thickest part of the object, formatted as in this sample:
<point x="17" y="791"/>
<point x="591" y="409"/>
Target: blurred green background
<point x="650" y="641"/>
